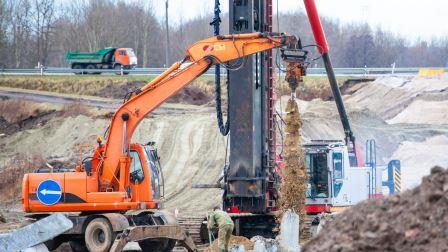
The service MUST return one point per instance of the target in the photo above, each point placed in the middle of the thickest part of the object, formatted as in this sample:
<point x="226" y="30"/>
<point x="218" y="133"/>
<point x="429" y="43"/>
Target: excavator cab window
<point x="154" y="170"/>
<point x="318" y="175"/>
<point x="136" y="173"/>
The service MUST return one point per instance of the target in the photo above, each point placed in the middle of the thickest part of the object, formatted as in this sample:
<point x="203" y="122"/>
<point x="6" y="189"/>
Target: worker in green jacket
<point x="224" y="223"/>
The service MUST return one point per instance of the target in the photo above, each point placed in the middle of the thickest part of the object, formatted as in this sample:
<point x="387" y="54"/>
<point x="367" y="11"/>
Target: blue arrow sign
<point x="49" y="192"/>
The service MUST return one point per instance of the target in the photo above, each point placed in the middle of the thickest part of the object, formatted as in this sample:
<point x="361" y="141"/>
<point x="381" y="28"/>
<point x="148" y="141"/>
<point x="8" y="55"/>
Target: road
<point x="157" y="71"/>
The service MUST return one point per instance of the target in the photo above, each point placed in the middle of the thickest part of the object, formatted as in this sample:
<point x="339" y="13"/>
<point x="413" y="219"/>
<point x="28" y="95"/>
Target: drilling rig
<point x="251" y="179"/>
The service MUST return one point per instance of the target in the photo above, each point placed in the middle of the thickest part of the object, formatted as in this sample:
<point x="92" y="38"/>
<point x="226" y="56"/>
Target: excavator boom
<point x="200" y="56"/>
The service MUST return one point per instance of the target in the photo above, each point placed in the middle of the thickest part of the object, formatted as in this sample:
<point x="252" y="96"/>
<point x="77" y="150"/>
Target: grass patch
<point x="200" y="91"/>
<point x="80" y="85"/>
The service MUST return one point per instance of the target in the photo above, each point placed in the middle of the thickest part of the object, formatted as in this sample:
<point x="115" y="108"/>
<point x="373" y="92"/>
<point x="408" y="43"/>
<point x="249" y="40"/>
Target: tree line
<point x="33" y="31"/>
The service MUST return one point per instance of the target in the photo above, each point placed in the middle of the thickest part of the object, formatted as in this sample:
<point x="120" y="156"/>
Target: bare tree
<point x="3" y="22"/>
<point x="41" y="30"/>
<point x="21" y="31"/>
<point x="44" y="14"/>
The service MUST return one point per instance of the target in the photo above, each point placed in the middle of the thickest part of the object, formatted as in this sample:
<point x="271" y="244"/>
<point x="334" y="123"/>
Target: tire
<point x="78" y="246"/>
<point x="162" y="245"/>
<point x="77" y="67"/>
<point x="117" y="69"/>
<point x="99" y="235"/>
<point x="91" y="67"/>
<point x="53" y="243"/>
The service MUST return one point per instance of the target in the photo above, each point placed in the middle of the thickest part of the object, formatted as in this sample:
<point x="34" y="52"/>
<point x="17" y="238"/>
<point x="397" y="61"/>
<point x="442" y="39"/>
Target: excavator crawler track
<point x="192" y="226"/>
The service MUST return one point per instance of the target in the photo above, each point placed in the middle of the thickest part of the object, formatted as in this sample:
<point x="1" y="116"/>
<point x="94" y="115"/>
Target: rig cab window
<point x="318" y="175"/>
<point x="338" y="165"/>
<point x="122" y="52"/>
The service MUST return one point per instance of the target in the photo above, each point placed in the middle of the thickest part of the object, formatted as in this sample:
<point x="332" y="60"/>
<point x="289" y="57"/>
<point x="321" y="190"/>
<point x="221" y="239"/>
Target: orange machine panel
<point x="106" y="197"/>
<point x="35" y="179"/>
<point x="92" y="182"/>
<point x="75" y="187"/>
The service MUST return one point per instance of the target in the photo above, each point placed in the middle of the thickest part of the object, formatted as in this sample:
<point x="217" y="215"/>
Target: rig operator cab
<point x="334" y="185"/>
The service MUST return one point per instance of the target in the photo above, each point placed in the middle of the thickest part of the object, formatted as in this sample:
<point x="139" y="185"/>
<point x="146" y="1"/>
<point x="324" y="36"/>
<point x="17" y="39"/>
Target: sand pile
<point x="404" y="115"/>
<point x="294" y="185"/>
<point x="416" y="156"/>
<point x="415" y="220"/>
<point x="423" y="112"/>
<point x="389" y="96"/>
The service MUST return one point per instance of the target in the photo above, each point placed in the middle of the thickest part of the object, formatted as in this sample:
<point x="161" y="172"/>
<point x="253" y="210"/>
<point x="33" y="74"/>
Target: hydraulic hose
<point x="223" y="128"/>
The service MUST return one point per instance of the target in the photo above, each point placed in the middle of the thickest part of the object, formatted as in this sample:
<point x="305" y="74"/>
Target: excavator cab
<point x="154" y="169"/>
<point x="145" y="174"/>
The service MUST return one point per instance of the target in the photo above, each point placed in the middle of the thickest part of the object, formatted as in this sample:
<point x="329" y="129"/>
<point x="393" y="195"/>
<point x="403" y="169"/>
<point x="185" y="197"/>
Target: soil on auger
<point x="415" y="220"/>
<point x="294" y="174"/>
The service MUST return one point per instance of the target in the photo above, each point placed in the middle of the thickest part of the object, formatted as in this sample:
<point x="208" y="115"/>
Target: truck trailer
<point x="106" y="58"/>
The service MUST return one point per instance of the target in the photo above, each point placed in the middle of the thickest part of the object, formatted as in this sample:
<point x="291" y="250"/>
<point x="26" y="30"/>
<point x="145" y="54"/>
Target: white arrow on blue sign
<point x="49" y="192"/>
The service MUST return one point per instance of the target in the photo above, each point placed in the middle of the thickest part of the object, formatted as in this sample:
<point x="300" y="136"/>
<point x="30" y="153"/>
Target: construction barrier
<point x="431" y="72"/>
<point x="397" y="181"/>
<point x="393" y="182"/>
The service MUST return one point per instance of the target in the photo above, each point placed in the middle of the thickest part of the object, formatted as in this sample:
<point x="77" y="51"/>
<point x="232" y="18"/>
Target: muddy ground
<point x="192" y="150"/>
<point x="412" y="221"/>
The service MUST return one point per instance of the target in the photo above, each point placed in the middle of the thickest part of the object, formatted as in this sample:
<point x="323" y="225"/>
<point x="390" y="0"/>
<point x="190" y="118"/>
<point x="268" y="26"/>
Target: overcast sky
<point x="410" y="18"/>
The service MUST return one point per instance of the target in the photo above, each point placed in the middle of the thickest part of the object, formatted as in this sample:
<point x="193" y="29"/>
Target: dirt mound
<point x="18" y="115"/>
<point x="192" y="95"/>
<point x="112" y="90"/>
<point x="234" y="240"/>
<point x="10" y="184"/>
<point x="413" y="221"/>
<point x="7" y="127"/>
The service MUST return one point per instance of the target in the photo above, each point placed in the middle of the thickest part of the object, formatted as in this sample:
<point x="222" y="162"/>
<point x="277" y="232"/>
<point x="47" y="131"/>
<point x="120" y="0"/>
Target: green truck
<point x="105" y="58"/>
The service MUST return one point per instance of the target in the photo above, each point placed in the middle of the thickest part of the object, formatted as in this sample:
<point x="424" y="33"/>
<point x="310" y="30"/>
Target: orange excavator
<point x="117" y="191"/>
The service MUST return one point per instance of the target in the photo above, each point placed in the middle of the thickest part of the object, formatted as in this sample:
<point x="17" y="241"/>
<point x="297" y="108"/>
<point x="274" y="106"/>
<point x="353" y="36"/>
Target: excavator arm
<point x="199" y="57"/>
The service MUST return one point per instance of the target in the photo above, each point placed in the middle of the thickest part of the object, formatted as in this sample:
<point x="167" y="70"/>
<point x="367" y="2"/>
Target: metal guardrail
<point x="210" y="72"/>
